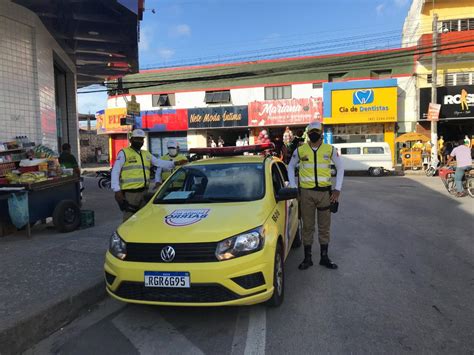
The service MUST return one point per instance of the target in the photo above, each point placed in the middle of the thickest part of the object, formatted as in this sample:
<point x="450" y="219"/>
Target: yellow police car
<point x="216" y="233"/>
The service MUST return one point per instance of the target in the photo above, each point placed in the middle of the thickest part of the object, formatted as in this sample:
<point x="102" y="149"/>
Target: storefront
<point x="163" y="126"/>
<point x="361" y="111"/>
<point x="456" y="118"/>
<point x="208" y="124"/>
<point x="274" y="116"/>
<point x="108" y="122"/>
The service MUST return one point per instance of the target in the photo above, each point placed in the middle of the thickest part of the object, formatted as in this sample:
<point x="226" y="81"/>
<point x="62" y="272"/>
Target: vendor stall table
<point x="58" y="198"/>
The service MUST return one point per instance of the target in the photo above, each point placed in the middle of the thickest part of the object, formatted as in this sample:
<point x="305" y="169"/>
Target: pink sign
<point x="285" y="112"/>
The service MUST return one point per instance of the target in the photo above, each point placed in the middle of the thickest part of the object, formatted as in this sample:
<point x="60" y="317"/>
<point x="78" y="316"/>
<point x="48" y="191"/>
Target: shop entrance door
<point x="118" y="142"/>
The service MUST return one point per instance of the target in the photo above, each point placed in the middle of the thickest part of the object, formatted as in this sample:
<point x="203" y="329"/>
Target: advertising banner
<point x="363" y="105"/>
<point x="456" y="102"/>
<point x="218" y="117"/>
<point x="433" y="112"/>
<point x="108" y="121"/>
<point x="163" y="120"/>
<point x="285" y="112"/>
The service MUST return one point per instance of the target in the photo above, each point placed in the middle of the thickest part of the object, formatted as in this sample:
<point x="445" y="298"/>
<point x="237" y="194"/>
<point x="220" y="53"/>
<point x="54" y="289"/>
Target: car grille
<point x="250" y="281"/>
<point x="185" y="252"/>
<point x="110" y="278"/>
<point x="195" y="294"/>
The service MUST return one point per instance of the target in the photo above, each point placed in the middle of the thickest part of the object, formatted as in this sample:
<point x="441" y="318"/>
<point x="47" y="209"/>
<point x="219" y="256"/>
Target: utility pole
<point x="434" y="80"/>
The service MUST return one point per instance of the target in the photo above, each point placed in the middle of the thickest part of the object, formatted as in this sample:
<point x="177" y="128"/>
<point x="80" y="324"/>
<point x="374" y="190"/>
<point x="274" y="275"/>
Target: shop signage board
<point x="285" y="112"/>
<point x="218" y="117"/>
<point x="457" y="102"/>
<point x="108" y="121"/>
<point x="133" y="107"/>
<point x="163" y="120"/>
<point x="373" y="105"/>
<point x="433" y="112"/>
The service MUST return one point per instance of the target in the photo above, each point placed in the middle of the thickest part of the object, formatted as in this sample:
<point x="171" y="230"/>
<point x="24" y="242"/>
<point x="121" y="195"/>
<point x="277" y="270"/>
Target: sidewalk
<point x="48" y="280"/>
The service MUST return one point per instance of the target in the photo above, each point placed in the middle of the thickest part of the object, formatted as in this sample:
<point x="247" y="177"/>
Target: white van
<point x="374" y="157"/>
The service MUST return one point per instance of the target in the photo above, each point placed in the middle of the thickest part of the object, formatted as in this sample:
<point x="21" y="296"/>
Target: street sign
<point x="433" y="112"/>
<point x="133" y="107"/>
<point x="128" y="120"/>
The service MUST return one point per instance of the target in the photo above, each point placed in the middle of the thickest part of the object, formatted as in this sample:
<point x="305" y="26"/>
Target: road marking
<point x="256" y="332"/>
<point x="151" y="334"/>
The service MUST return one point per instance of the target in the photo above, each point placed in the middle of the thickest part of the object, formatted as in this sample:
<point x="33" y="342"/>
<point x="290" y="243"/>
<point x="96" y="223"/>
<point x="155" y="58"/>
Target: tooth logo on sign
<point x="363" y="97"/>
<point x="185" y="217"/>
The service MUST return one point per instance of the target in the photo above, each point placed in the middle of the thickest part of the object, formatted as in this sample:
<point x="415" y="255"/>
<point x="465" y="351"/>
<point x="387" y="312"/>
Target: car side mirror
<point x="286" y="193"/>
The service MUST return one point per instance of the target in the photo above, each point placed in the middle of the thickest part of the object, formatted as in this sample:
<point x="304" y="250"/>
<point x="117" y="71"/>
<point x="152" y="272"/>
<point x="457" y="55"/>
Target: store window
<point x="159" y="143"/>
<point x="381" y="74"/>
<point x="278" y="92"/>
<point x="465" y="24"/>
<point x="350" y="151"/>
<point x="334" y="77"/>
<point x="358" y="133"/>
<point x="163" y="100"/>
<point x="217" y="97"/>
<point x="462" y="78"/>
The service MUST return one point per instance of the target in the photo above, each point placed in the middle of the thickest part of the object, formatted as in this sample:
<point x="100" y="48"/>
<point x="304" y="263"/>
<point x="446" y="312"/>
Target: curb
<point x="29" y="331"/>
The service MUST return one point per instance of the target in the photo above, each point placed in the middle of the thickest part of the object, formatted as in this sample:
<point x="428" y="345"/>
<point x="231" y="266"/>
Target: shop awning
<point x="411" y="137"/>
<point x="100" y="36"/>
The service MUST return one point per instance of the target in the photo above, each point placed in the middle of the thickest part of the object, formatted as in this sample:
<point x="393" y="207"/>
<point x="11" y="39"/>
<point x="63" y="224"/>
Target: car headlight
<point x="240" y="245"/>
<point x="118" y="247"/>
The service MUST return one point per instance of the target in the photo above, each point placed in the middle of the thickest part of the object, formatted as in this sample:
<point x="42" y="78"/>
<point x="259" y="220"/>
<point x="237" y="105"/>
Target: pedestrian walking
<point x="462" y="153"/>
<point x="316" y="195"/>
<point x="131" y="174"/>
<point x="173" y="155"/>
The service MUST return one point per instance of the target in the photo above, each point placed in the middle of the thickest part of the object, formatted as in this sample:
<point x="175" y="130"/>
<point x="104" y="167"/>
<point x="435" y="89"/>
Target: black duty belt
<point x="136" y="190"/>
<point x="318" y="188"/>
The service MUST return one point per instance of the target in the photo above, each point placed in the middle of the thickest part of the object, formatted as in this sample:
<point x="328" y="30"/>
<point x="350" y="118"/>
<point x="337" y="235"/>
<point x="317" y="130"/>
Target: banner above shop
<point x="457" y="102"/>
<point x="370" y="101"/>
<point x="163" y="120"/>
<point x="108" y="121"/>
<point x="285" y="112"/>
<point x="218" y="117"/>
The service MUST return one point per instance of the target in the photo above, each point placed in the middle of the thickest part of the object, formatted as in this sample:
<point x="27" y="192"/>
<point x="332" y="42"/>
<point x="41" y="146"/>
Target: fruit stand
<point x="58" y="198"/>
<point x="33" y="187"/>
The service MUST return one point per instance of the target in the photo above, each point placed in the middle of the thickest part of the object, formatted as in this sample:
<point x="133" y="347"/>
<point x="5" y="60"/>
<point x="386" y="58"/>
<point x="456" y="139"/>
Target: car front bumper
<point x="223" y="283"/>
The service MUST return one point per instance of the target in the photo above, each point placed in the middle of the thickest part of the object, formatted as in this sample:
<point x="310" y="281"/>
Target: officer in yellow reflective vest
<point x="316" y="194"/>
<point x="131" y="174"/>
<point x="173" y="155"/>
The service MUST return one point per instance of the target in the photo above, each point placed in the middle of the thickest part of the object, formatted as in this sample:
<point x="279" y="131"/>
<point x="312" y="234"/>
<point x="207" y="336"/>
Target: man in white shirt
<point x="462" y="153"/>
<point x="131" y="174"/>
<point x="316" y="195"/>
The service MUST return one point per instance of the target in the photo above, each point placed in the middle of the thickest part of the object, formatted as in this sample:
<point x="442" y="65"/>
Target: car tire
<point x="375" y="171"/>
<point x="67" y="216"/>
<point x="298" y="237"/>
<point x="278" y="279"/>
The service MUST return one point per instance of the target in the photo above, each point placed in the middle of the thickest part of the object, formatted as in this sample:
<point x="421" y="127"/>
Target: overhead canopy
<point x="100" y="36"/>
<point x="411" y="137"/>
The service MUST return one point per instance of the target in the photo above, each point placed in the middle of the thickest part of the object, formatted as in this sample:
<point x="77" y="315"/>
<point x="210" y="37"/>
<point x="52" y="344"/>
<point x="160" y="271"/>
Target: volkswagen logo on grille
<point x="168" y="254"/>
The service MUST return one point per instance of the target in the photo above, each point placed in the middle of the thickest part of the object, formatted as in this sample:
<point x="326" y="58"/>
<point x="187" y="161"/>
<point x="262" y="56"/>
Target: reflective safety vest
<point x="166" y="174"/>
<point x="135" y="172"/>
<point x="315" y="166"/>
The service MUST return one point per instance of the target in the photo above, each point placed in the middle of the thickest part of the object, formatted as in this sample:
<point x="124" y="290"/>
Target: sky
<point x="186" y="32"/>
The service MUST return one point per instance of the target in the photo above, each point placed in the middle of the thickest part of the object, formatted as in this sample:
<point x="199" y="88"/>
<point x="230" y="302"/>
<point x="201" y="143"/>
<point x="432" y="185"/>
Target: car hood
<point x="192" y="223"/>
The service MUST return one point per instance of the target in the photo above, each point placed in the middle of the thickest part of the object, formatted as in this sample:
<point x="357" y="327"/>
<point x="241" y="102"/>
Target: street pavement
<point x="405" y="284"/>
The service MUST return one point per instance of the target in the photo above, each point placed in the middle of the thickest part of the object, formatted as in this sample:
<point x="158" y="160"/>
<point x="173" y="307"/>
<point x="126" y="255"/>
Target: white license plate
<point x="167" y="279"/>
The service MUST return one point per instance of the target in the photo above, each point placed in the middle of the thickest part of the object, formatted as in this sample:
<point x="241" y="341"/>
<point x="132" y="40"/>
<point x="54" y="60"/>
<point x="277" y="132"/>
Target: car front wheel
<point x="278" y="279"/>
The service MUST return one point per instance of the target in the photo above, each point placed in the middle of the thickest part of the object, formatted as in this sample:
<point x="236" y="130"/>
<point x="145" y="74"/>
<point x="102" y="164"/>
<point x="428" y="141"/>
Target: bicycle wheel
<point x="451" y="185"/>
<point x="431" y="171"/>
<point x="470" y="186"/>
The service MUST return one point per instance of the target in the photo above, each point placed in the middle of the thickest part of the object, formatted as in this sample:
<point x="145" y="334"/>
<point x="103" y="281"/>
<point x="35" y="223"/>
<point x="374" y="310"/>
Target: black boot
<point x="325" y="261"/>
<point x="307" y="262"/>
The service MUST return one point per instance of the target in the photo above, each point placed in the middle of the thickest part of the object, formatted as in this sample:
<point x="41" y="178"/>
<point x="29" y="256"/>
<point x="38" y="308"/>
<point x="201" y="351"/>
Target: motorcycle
<point x="105" y="177"/>
<point x="446" y="174"/>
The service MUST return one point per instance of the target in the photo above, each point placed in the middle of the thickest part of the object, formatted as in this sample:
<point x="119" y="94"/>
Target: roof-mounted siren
<point x="232" y="151"/>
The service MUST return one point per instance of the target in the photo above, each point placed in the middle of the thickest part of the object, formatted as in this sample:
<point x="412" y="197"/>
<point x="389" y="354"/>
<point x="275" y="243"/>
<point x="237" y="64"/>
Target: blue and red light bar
<point x="231" y="151"/>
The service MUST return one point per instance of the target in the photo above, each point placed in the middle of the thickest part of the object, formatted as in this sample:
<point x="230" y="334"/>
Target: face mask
<point x="137" y="145"/>
<point x="314" y="136"/>
<point x="173" y="152"/>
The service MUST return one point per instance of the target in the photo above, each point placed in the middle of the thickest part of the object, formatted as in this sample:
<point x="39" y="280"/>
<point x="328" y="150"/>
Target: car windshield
<point x="214" y="183"/>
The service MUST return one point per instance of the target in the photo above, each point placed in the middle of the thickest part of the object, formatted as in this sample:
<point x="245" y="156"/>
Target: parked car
<point x="373" y="157"/>
<point x="216" y="233"/>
